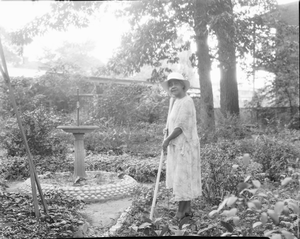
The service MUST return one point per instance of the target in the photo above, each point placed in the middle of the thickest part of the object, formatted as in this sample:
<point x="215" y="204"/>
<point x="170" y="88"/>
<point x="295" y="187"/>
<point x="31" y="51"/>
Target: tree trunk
<point x="229" y="99"/>
<point x="204" y="64"/>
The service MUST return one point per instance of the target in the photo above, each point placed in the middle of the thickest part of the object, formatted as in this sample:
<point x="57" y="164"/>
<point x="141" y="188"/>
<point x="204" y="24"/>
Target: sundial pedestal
<point x="78" y="132"/>
<point x="79" y="167"/>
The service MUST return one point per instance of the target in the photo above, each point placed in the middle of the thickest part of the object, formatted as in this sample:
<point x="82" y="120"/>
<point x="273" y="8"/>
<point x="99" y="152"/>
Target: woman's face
<point x="176" y="88"/>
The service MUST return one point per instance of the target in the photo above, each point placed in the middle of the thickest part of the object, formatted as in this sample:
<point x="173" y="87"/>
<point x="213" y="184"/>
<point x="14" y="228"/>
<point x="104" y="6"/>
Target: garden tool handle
<point x="159" y="168"/>
<point x="156" y="185"/>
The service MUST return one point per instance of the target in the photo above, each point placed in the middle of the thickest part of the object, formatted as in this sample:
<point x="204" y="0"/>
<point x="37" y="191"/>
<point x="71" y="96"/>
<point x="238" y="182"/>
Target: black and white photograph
<point x="149" y="118"/>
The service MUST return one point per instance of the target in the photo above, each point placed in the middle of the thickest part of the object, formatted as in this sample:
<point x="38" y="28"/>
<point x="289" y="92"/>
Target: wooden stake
<point x="33" y="176"/>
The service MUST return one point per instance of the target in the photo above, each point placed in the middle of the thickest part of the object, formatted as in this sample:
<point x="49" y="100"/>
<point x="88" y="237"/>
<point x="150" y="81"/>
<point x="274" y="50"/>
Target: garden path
<point x="104" y="215"/>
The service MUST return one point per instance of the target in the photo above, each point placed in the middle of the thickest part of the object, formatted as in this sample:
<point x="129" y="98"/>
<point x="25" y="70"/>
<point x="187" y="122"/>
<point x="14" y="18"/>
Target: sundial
<point x="78" y="131"/>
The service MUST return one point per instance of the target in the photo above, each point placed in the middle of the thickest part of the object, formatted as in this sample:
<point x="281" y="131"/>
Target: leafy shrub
<point x="218" y="177"/>
<point x="268" y="213"/>
<point x="19" y="220"/>
<point x="142" y="139"/>
<point x="23" y="95"/>
<point x="17" y="168"/>
<point x="142" y="170"/>
<point x="294" y="122"/>
<point x="127" y="105"/>
<point x="274" y="154"/>
<point x="55" y="91"/>
<point x="269" y="158"/>
<point x="230" y="127"/>
<point x="38" y="125"/>
<point x="255" y="210"/>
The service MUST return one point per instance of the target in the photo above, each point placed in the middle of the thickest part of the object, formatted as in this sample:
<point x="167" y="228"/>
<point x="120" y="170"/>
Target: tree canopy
<point x="154" y="38"/>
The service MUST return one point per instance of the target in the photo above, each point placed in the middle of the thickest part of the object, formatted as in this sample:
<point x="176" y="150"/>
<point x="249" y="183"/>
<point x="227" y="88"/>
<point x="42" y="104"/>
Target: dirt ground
<point x="104" y="215"/>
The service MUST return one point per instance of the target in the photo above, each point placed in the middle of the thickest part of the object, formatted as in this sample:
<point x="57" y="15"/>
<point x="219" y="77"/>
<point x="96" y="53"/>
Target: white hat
<point x="175" y="76"/>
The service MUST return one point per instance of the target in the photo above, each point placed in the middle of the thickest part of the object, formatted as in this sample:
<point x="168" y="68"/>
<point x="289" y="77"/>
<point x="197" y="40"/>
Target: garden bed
<point x="92" y="179"/>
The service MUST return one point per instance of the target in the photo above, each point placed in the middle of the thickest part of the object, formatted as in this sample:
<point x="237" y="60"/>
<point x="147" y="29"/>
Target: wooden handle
<point x="156" y="185"/>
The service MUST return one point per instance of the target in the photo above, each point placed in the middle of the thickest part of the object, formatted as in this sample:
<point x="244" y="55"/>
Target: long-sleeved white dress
<point x="183" y="165"/>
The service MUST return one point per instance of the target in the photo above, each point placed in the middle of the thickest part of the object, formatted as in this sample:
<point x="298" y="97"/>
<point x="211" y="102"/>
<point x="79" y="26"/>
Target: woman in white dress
<point x="183" y="165"/>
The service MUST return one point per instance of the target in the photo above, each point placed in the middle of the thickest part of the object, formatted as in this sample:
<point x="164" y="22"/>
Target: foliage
<point x="276" y="51"/>
<point x="294" y="122"/>
<point x="56" y="91"/>
<point x="19" y="219"/>
<point x="231" y="127"/>
<point x="219" y="178"/>
<point x="274" y="155"/>
<point x="257" y="209"/>
<point x="142" y="170"/>
<point x="23" y="95"/>
<point x="279" y="55"/>
<point x="13" y="53"/>
<point x="128" y="105"/>
<point x="38" y="125"/>
<point x="17" y="168"/>
<point x="144" y="139"/>
<point x="155" y="27"/>
<point x="266" y="210"/>
<point x="271" y="159"/>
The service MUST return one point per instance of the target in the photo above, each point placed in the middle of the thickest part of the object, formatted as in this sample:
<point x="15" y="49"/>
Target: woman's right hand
<point x="165" y="131"/>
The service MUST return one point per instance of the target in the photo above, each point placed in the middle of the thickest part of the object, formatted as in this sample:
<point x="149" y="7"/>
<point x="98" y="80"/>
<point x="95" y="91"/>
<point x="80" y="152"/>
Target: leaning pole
<point x="33" y="176"/>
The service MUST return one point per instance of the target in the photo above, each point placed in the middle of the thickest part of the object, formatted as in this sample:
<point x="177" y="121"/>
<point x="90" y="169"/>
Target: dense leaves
<point x="260" y="209"/>
<point x="19" y="221"/>
<point x="143" y="170"/>
<point x="274" y="155"/>
<point x="17" y="168"/>
<point x="128" y="105"/>
<point x="143" y="139"/>
<point x="38" y="125"/>
<point x="55" y="91"/>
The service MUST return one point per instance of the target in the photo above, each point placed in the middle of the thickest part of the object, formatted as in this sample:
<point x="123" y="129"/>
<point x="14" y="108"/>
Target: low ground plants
<point x="17" y="168"/>
<point x="142" y="170"/>
<point x="274" y="155"/>
<point x="267" y="213"/>
<point x="18" y="218"/>
<point x="219" y="178"/>
<point x="256" y="209"/>
<point x="143" y="139"/>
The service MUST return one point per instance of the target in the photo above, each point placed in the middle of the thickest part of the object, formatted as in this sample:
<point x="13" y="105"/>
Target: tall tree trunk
<point x="204" y="64"/>
<point x="229" y="98"/>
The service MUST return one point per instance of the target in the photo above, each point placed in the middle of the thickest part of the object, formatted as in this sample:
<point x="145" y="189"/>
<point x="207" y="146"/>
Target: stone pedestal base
<point x="79" y="166"/>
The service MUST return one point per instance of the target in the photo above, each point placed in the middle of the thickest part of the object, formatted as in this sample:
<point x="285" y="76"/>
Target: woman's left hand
<point x="165" y="145"/>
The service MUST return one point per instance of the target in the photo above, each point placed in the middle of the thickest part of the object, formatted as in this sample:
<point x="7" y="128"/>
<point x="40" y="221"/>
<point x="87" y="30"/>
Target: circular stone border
<point x="91" y="193"/>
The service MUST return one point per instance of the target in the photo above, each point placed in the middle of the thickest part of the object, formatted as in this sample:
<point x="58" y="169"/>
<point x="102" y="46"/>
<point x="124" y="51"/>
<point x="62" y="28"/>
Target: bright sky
<point x="107" y="33"/>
